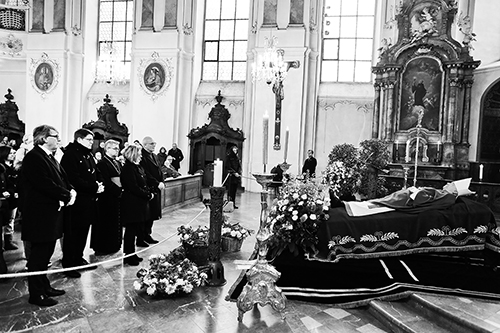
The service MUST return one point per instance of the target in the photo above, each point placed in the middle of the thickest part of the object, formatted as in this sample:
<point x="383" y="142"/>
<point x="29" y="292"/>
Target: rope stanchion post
<point x="216" y="271"/>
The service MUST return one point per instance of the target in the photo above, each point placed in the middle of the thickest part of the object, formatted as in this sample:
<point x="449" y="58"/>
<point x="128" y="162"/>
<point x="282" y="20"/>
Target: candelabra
<point x="261" y="286"/>
<point x="216" y="277"/>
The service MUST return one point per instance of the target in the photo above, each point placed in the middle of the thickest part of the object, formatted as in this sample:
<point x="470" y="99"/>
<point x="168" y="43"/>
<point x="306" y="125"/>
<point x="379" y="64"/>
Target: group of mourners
<point x="61" y="198"/>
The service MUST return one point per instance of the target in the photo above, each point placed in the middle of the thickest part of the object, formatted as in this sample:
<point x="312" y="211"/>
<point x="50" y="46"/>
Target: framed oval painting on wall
<point x="155" y="74"/>
<point x="44" y="74"/>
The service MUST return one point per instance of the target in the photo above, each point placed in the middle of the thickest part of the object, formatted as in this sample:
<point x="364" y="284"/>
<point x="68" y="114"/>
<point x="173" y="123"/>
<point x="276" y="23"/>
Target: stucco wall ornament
<point x="155" y="75"/>
<point x="465" y="27"/>
<point x="11" y="45"/>
<point x="44" y="74"/>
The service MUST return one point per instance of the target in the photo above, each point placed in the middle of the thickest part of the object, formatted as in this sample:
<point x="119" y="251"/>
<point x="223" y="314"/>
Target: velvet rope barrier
<point x="62" y="270"/>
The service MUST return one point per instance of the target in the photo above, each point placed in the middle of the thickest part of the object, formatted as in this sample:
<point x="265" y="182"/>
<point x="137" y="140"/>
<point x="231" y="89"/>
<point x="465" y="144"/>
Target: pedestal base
<point x="261" y="289"/>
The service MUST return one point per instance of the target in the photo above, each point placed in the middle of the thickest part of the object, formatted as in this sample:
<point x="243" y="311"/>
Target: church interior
<point x="274" y="78"/>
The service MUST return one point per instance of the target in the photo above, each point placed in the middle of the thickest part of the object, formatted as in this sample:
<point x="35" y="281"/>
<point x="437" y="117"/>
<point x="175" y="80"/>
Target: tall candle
<point x="481" y="167"/>
<point x="218" y="167"/>
<point x="439" y="146"/>
<point x="265" y="138"/>
<point x="287" y="134"/>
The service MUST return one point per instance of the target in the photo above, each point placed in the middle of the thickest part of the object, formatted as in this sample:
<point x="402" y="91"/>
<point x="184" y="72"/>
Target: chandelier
<point x="270" y="66"/>
<point x="110" y="69"/>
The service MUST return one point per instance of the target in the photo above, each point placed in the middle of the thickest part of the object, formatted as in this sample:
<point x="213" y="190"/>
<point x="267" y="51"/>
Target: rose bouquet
<point x="169" y="275"/>
<point x="193" y="236"/>
<point x="295" y="216"/>
<point x="339" y="179"/>
<point x="235" y="230"/>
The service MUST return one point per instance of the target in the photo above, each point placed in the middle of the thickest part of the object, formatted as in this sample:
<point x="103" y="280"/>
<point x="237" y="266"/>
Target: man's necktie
<point x="54" y="160"/>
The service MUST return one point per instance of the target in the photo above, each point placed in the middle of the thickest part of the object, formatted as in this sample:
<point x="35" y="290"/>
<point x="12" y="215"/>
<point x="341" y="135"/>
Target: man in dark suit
<point x="154" y="177"/>
<point x="79" y="164"/>
<point x="44" y="192"/>
<point x="309" y="167"/>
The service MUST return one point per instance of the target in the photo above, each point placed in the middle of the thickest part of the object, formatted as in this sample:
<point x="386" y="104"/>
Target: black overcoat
<point x="43" y="184"/>
<point x="136" y="194"/>
<point x="83" y="175"/>
<point x="154" y="176"/>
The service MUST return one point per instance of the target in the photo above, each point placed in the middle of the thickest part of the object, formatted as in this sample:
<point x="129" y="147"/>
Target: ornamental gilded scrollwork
<point x="155" y="75"/>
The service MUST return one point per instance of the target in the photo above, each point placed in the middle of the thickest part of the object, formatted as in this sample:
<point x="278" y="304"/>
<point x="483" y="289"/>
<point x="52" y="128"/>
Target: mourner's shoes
<point x="236" y="207"/>
<point x="42" y="300"/>
<point x="150" y="240"/>
<point x="72" y="274"/>
<point x="52" y="292"/>
<point x="142" y="244"/>
<point x="137" y="258"/>
<point x="131" y="261"/>
<point x="85" y="262"/>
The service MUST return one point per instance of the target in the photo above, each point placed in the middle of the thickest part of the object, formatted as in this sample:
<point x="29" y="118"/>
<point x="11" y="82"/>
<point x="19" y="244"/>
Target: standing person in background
<point x="135" y="201"/>
<point x="233" y="169"/>
<point x="44" y="192"/>
<point x="176" y="153"/>
<point x="106" y="237"/>
<point x="7" y="155"/>
<point x="79" y="164"/>
<point x="23" y="149"/>
<point x="162" y="155"/>
<point x="149" y="162"/>
<point x="309" y="167"/>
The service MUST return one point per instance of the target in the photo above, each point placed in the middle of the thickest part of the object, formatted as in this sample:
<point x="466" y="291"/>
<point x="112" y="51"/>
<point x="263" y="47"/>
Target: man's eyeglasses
<point x="55" y="136"/>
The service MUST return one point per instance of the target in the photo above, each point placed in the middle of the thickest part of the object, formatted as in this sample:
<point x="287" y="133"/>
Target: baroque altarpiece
<point x="423" y="92"/>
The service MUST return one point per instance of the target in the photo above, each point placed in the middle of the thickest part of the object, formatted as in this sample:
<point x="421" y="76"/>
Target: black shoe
<point x="42" y="300"/>
<point x="85" y="262"/>
<point x="72" y="274"/>
<point x="131" y="261"/>
<point x="137" y="258"/>
<point x="52" y="292"/>
<point x="150" y="240"/>
<point x="236" y="207"/>
<point x="142" y="244"/>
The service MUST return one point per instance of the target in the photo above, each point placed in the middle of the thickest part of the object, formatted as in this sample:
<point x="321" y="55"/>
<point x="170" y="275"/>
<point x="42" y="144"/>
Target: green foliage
<point x="375" y="156"/>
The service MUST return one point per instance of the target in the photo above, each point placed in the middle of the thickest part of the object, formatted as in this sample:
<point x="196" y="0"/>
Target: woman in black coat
<point x="233" y="169"/>
<point x="135" y="199"/>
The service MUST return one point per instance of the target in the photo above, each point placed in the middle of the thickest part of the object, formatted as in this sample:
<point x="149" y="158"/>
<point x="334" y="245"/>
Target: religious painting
<point x="44" y="74"/>
<point x="421" y="87"/>
<point x="155" y="75"/>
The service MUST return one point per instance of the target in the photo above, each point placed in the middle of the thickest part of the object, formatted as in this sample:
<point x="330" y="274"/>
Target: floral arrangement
<point x="169" y="275"/>
<point x="375" y="156"/>
<point x="235" y="230"/>
<point x="342" y="172"/>
<point x="193" y="236"/>
<point x="295" y="216"/>
<point x="339" y="179"/>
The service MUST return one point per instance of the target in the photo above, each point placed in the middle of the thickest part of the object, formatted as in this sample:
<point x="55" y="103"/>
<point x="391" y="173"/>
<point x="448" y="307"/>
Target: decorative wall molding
<point x="188" y="30"/>
<point x="210" y="101"/>
<point x="155" y="75"/>
<point x="330" y="104"/>
<point x="10" y="45"/>
<point x="44" y="74"/>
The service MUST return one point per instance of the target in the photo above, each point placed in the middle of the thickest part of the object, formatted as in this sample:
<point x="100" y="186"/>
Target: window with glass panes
<point x="225" y="40"/>
<point x="348" y="29"/>
<point x="115" y="29"/>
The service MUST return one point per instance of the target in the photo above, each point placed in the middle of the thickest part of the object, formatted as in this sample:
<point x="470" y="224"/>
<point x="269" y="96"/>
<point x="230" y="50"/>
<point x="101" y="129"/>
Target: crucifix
<point x="280" y="70"/>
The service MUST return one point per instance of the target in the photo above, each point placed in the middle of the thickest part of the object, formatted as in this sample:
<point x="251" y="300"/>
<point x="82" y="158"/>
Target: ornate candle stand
<point x="261" y="286"/>
<point x="216" y="276"/>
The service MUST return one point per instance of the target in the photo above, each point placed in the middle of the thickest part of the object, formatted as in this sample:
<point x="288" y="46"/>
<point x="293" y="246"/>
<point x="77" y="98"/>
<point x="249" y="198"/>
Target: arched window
<point x="225" y="39"/>
<point x="115" y="31"/>
<point x="348" y="29"/>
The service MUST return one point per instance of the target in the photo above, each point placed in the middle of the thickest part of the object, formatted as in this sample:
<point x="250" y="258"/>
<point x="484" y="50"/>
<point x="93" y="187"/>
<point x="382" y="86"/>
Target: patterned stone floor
<point x="104" y="300"/>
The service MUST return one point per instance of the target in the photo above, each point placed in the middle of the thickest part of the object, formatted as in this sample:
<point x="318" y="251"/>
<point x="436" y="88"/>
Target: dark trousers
<point x="38" y="261"/>
<point x="148" y="228"/>
<point x="74" y="241"/>
<point x="232" y="186"/>
<point x="132" y="231"/>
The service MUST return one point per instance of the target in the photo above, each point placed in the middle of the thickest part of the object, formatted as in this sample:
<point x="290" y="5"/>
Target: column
<point x="376" y="111"/>
<point x="466" y="110"/>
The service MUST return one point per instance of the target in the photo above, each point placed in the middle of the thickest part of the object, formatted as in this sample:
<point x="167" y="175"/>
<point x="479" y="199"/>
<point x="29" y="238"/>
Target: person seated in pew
<point x="168" y="170"/>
